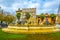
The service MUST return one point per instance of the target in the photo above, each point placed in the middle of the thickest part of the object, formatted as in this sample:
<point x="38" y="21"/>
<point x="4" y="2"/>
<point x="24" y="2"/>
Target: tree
<point x="9" y="19"/>
<point x="27" y="15"/>
<point x="18" y="15"/>
<point x="42" y="16"/>
<point x="53" y="17"/>
<point x="1" y="18"/>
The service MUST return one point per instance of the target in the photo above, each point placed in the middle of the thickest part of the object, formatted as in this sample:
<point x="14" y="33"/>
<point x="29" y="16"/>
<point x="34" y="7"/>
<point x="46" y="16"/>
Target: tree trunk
<point x="1" y="22"/>
<point x="42" y="20"/>
<point x="52" y="20"/>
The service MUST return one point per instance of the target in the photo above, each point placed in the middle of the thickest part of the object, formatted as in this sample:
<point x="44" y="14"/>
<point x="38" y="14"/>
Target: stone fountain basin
<point x="29" y="30"/>
<point x="57" y="25"/>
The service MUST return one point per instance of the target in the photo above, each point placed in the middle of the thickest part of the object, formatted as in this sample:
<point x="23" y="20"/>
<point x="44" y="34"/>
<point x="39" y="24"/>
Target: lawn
<point x="8" y="36"/>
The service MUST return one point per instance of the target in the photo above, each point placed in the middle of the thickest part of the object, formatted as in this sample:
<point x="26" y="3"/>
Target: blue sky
<point x="42" y="6"/>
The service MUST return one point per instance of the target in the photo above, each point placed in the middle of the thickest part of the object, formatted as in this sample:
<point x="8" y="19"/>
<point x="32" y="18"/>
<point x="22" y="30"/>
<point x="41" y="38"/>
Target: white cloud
<point x="1" y="0"/>
<point x="27" y="4"/>
<point x="6" y="9"/>
<point x="47" y="11"/>
<point x="3" y="7"/>
<point x="50" y="4"/>
<point x="30" y="4"/>
<point x="47" y="6"/>
<point x="56" y="10"/>
<point x="15" y="6"/>
<point x="33" y="5"/>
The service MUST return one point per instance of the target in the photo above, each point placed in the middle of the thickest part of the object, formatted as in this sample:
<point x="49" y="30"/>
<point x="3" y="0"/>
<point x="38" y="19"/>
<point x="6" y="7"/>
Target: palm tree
<point x="42" y="16"/>
<point x="18" y="15"/>
<point x="27" y="15"/>
<point x="53" y="17"/>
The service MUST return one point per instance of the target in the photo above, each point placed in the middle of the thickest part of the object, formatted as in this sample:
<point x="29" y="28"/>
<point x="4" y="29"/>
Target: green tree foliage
<point x="9" y="19"/>
<point x="1" y="17"/>
<point x="53" y="17"/>
<point x="27" y="15"/>
<point x="18" y="15"/>
<point x="42" y="16"/>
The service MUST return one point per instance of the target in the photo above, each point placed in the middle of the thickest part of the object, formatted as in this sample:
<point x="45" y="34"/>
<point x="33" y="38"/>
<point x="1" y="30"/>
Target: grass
<point x="8" y="36"/>
<point x="5" y="36"/>
<point x="44" y="36"/>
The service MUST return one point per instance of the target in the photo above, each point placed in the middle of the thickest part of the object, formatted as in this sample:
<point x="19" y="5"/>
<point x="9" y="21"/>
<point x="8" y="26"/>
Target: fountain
<point x="30" y="29"/>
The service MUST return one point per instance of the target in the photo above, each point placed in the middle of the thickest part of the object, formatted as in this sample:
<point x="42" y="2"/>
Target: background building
<point x="32" y="11"/>
<point x="23" y="12"/>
